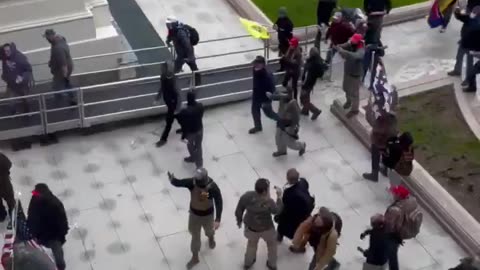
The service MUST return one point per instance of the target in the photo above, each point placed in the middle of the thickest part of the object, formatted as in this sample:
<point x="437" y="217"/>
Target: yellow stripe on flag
<point x="255" y="29"/>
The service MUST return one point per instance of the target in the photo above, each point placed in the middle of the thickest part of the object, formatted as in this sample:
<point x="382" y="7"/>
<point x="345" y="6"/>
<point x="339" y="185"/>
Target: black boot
<point x="371" y="176"/>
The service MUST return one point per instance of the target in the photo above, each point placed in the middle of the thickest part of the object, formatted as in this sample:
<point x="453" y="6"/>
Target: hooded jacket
<point x="181" y="41"/>
<point x="47" y="219"/>
<point x="285" y="29"/>
<point x="16" y="65"/>
<point x="263" y="82"/>
<point x="60" y="56"/>
<point x="288" y="112"/>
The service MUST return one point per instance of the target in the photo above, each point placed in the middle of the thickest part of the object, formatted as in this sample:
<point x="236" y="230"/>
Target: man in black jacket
<point x="205" y="199"/>
<point x="263" y="82"/>
<point x="171" y="97"/>
<point x="185" y="53"/>
<point x="471" y="42"/>
<point x="48" y="222"/>
<point x="297" y="205"/>
<point x="376" y="10"/>
<point x="468" y="23"/>
<point x="192" y="129"/>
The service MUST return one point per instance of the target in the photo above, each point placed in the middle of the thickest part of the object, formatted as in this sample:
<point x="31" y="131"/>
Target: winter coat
<point x="377" y="254"/>
<point x="353" y="65"/>
<point x="340" y="32"/>
<point x="313" y="69"/>
<point x="324" y="11"/>
<point x="377" y="6"/>
<point x="6" y="188"/>
<point x="293" y="60"/>
<point x="16" y="65"/>
<point x="470" y="33"/>
<point x="297" y="207"/>
<point x="256" y="211"/>
<point x="263" y="82"/>
<point x="285" y="29"/>
<point x="327" y="245"/>
<point x="190" y="118"/>
<point x="47" y="219"/>
<point x="181" y="42"/>
<point x="288" y="113"/>
<point x="60" y="57"/>
<point x="28" y="257"/>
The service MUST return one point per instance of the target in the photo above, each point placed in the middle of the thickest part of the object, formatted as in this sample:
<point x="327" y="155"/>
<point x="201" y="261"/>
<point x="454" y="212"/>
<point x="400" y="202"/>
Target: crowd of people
<point x="354" y="38"/>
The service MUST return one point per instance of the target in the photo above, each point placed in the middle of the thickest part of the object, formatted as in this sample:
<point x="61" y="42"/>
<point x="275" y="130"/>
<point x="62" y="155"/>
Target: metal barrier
<point x="49" y="120"/>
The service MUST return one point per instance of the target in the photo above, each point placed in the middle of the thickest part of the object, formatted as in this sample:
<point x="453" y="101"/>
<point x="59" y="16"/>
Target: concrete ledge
<point x="247" y="9"/>
<point x="464" y="101"/>
<point x="430" y="194"/>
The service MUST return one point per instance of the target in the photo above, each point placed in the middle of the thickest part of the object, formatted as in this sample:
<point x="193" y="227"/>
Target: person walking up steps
<point x="255" y="210"/>
<point x="205" y="199"/>
<point x="293" y="62"/>
<point x="313" y="70"/>
<point x="184" y="38"/>
<point x="284" y="28"/>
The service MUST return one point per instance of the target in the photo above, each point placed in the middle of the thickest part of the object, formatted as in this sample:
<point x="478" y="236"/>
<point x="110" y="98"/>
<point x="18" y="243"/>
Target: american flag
<point x="383" y="92"/>
<point x="18" y="231"/>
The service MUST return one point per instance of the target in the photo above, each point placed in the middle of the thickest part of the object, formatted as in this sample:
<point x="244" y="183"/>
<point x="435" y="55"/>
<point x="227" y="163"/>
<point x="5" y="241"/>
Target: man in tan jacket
<point x="319" y="231"/>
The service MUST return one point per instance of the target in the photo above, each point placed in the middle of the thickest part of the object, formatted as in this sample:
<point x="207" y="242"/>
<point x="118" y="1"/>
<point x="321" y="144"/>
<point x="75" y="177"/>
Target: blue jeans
<point x="461" y="52"/>
<point x="266" y="107"/>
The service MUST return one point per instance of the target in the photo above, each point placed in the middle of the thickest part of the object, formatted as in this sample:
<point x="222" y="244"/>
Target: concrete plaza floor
<point x="125" y="215"/>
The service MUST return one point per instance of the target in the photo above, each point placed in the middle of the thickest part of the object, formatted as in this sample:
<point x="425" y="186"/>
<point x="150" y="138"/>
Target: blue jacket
<point x="263" y="82"/>
<point x="16" y="65"/>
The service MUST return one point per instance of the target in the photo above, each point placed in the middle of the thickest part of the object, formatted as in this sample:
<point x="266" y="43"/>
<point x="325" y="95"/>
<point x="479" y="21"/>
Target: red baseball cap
<point x="400" y="191"/>
<point x="294" y="42"/>
<point x="356" y="39"/>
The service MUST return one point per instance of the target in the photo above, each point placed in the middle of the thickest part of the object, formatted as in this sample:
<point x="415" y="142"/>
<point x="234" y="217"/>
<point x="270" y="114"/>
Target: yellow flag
<point x="255" y="29"/>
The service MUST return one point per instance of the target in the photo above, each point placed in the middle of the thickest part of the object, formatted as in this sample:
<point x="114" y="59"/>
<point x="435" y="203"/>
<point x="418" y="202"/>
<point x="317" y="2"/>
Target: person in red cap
<point x="353" y="52"/>
<point x="292" y="61"/>
<point x="402" y="221"/>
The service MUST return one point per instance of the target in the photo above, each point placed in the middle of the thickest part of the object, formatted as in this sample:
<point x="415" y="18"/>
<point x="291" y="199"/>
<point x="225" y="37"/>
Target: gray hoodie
<point x="258" y="211"/>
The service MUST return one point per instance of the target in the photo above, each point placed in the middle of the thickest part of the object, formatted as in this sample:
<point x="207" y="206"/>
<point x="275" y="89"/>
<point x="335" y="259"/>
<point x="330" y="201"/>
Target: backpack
<point x="192" y="34"/>
<point x="404" y="166"/>
<point x="315" y="237"/>
<point x="412" y="221"/>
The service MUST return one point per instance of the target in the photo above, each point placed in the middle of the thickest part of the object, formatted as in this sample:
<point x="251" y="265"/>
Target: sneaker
<point x="193" y="261"/>
<point x="370" y="177"/>
<point x="279" y="154"/>
<point x="347" y="105"/>
<point x="254" y="130"/>
<point x="271" y="267"/>
<point x="160" y="143"/>
<point x="211" y="243"/>
<point x="465" y="84"/>
<point x="302" y="151"/>
<point x="189" y="159"/>
<point x="315" y="115"/>
<point x="454" y="73"/>
<point x="351" y="114"/>
<point x="304" y="112"/>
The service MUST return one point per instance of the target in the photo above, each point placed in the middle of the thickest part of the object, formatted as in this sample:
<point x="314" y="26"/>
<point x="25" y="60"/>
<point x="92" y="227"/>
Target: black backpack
<point x="192" y="34"/>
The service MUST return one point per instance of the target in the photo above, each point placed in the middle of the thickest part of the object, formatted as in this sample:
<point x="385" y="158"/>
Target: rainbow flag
<point x="438" y="11"/>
